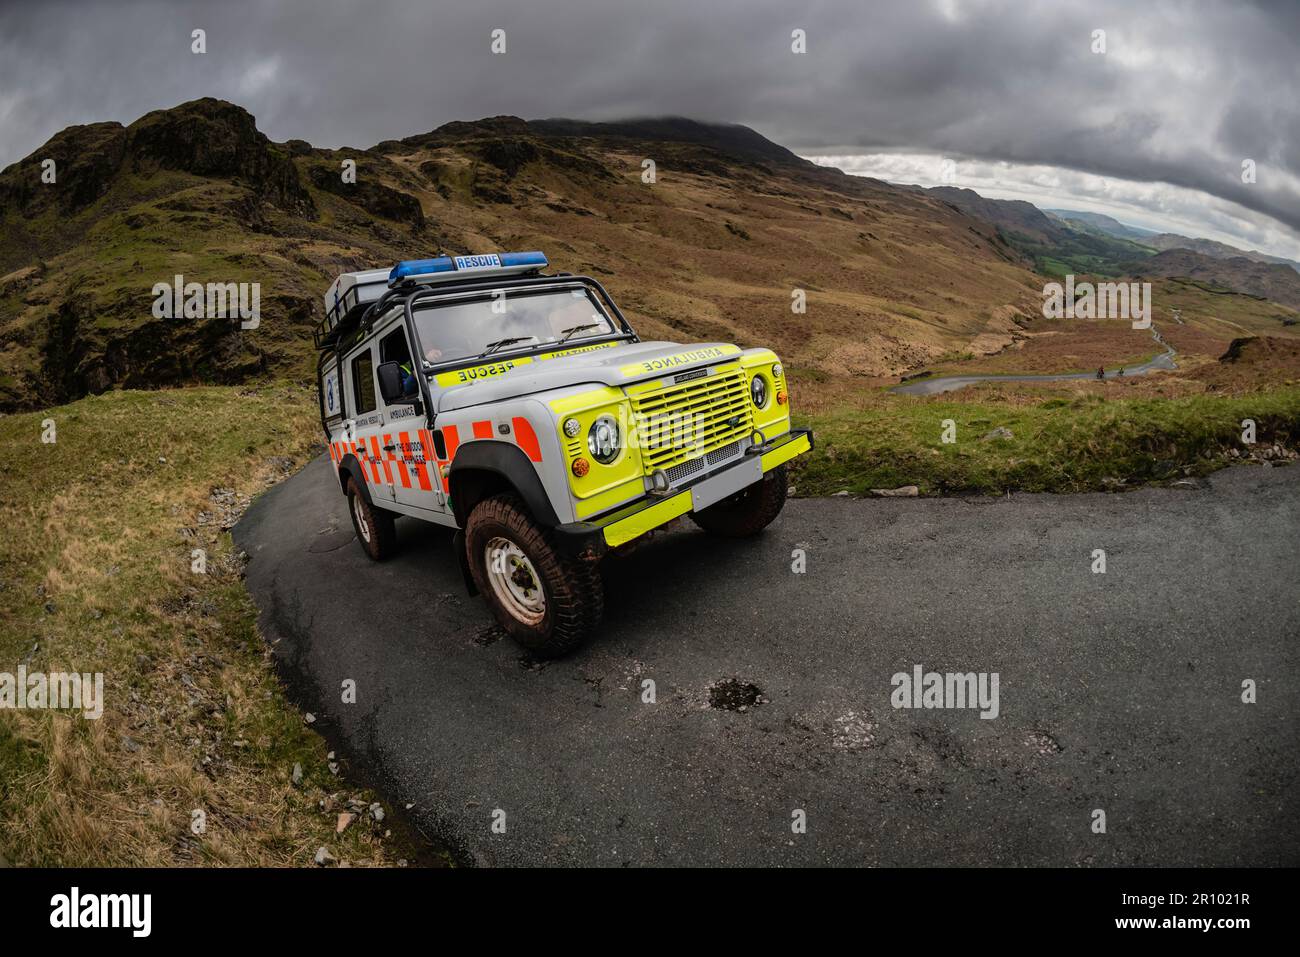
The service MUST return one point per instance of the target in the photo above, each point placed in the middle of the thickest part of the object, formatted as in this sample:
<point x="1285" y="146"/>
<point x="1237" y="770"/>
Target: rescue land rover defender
<point x="520" y="409"/>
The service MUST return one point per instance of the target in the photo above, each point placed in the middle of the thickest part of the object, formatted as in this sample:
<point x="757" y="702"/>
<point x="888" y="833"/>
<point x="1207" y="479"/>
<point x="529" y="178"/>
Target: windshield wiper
<point x="565" y="334"/>
<point x="501" y="343"/>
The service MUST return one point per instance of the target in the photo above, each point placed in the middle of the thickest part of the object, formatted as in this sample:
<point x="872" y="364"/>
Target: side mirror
<point x="390" y="384"/>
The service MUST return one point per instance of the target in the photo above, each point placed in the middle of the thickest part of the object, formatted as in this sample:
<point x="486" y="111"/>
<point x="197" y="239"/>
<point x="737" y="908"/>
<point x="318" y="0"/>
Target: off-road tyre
<point x="571" y="593"/>
<point x="374" y="526"/>
<point x="749" y="511"/>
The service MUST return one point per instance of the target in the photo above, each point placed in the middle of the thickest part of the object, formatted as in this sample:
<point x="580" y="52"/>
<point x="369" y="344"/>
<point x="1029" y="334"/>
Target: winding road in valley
<point x="951" y="383"/>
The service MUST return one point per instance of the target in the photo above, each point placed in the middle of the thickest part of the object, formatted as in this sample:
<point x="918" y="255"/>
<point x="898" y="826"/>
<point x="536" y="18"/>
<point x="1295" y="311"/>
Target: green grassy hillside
<point x="97" y="576"/>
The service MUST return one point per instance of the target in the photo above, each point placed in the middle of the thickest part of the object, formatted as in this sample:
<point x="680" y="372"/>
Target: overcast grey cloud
<point x="1183" y="94"/>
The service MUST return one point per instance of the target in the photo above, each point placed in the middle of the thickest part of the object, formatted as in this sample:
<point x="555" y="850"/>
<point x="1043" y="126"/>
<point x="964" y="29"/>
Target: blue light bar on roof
<point x="447" y="268"/>
<point x="413" y="268"/>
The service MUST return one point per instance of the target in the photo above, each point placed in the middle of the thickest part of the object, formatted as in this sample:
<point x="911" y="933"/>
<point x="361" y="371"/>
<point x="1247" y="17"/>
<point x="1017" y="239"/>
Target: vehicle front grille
<point x="692" y="423"/>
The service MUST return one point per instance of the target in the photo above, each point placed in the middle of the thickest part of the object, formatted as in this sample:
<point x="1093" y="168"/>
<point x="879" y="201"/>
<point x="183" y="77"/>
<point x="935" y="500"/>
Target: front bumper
<point x="592" y="538"/>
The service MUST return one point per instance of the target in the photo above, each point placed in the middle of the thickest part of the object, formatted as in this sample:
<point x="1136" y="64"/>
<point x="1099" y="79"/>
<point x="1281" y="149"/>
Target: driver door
<point x="405" y="442"/>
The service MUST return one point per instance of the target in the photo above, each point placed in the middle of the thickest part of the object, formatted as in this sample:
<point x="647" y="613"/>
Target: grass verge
<point x="1063" y="444"/>
<point x="97" y="575"/>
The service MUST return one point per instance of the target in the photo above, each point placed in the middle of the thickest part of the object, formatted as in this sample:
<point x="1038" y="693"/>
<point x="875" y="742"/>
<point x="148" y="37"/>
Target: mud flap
<point x="462" y="555"/>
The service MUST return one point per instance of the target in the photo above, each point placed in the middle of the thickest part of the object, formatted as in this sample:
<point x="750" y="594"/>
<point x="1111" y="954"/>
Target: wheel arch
<point x="482" y="469"/>
<point x="350" y="468"/>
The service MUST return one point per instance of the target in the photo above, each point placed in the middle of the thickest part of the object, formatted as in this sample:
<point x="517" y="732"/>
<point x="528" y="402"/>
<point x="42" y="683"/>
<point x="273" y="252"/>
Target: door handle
<point x="389" y="448"/>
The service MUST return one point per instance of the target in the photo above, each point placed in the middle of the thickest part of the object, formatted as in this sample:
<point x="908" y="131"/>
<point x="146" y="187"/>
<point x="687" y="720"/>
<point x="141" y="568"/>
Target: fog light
<point x="581" y="467"/>
<point x="572" y="427"/>
<point x="777" y="371"/>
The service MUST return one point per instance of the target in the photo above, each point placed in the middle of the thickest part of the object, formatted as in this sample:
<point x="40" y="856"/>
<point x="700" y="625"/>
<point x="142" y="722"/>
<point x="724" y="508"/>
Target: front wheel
<point x="749" y="511"/>
<point x="547" y="603"/>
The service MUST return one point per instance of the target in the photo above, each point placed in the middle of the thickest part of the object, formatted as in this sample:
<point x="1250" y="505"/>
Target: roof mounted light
<point x="450" y="268"/>
<point x="417" y="269"/>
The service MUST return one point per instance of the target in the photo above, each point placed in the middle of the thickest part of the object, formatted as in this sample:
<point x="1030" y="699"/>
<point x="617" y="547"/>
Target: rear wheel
<point x="547" y="603"/>
<point x="374" y="527"/>
<point x="749" y="511"/>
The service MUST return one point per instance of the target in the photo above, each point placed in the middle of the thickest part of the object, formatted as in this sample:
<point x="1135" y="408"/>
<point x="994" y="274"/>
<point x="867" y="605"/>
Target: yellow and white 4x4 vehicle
<point x="520" y="408"/>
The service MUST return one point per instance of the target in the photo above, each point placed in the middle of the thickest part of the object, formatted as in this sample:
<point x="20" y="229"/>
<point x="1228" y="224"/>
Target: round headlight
<point x="758" y="391"/>
<point x="572" y="427"/>
<point x="777" y="371"/>
<point x="602" y="440"/>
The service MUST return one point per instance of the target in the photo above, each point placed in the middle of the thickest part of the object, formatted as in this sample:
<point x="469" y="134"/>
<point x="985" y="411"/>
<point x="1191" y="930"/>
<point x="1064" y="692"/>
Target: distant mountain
<point x="731" y="139"/>
<point x="1108" y="225"/>
<point x="1064" y="240"/>
<point x="1054" y="245"/>
<point x="1010" y="215"/>
<point x="1272" y="281"/>
<point x="1216" y="250"/>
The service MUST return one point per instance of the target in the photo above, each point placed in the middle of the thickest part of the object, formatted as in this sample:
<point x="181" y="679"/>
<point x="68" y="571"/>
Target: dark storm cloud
<point x="1184" y="93"/>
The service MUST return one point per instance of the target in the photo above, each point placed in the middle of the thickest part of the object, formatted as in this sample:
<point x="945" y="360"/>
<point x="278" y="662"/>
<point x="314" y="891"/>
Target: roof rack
<point x="353" y="295"/>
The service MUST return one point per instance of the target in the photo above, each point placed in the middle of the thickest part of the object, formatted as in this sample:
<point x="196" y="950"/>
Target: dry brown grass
<point x="893" y="278"/>
<point x="1062" y="345"/>
<point x="96" y="577"/>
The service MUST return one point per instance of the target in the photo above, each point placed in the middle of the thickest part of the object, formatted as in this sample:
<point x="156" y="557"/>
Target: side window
<point x="392" y="348"/>
<point x="363" y="384"/>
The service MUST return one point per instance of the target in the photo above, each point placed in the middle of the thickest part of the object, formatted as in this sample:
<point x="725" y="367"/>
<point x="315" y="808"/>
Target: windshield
<point x="504" y="323"/>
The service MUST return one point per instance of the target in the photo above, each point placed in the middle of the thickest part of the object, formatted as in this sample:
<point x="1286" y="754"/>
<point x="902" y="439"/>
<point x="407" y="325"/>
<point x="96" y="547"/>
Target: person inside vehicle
<point x="394" y="349"/>
<point x="410" y="386"/>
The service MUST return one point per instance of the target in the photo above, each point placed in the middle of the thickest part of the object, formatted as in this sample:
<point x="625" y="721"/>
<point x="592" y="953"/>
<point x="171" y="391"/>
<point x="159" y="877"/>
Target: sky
<point x="1149" y="120"/>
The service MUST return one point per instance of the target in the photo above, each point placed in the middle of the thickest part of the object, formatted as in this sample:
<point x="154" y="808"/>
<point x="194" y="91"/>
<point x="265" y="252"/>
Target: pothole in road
<point x="732" y="694"/>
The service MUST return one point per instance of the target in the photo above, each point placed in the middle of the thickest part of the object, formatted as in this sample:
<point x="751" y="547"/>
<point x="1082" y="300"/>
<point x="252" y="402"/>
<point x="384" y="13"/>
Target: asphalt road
<point x="951" y="383"/>
<point x="1118" y="691"/>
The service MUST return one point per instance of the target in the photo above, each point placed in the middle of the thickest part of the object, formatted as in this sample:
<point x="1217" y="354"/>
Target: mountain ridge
<point x="714" y="248"/>
<point x="1107" y="224"/>
<point x="1272" y="281"/>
